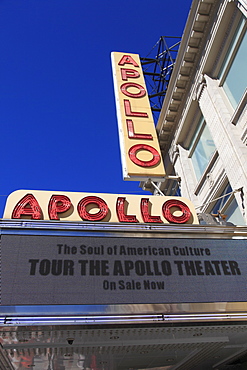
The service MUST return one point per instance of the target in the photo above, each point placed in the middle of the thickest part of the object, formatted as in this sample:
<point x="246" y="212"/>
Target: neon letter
<point x="122" y="217"/>
<point x="100" y="203"/>
<point x="129" y="112"/>
<point x="136" y="148"/>
<point x="166" y="209"/>
<point x="28" y="206"/>
<point x="127" y="59"/>
<point x="125" y="86"/>
<point x="133" y="135"/>
<point x="129" y="73"/>
<point x="58" y="204"/>
<point x="145" y="212"/>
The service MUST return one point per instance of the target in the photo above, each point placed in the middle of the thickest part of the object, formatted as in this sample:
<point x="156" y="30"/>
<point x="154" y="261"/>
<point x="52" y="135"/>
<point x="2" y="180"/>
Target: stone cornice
<point x="192" y="44"/>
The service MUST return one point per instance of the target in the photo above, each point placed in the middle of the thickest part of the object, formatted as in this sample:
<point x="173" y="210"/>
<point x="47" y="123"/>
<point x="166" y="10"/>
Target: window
<point x="228" y="205"/>
<point x="233" y="71"/>
<point x="201" y="149"/>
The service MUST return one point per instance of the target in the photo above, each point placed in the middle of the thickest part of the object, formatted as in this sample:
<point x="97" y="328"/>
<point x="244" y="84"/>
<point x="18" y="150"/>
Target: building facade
<point x="202" y="126"/>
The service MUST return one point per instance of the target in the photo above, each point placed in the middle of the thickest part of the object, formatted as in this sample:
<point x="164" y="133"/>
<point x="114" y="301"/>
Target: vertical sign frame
<point x="140" y="152"/>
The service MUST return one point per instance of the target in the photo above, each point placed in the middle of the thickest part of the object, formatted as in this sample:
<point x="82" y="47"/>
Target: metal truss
<point x="157" y="68"/>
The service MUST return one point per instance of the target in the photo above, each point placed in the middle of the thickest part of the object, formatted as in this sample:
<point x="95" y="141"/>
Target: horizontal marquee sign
<point x="42" y="269"/>
<point x="48" y="205"/>
<point x="140" y="151"/>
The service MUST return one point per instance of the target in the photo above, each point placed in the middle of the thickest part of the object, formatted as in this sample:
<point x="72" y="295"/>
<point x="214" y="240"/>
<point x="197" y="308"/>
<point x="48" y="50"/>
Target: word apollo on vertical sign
<point x="140" y="151"/>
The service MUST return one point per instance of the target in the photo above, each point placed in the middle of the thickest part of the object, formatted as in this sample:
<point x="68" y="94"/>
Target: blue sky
<point x="57" y="107"/>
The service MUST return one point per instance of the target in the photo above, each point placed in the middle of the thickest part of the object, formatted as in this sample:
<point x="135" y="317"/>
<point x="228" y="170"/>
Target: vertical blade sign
<point x="140" y="151"/>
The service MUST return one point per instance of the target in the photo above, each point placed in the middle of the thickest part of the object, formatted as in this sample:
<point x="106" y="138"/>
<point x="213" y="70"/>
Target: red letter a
<point x="127" y="59"/>
<point x="28" y="206"/>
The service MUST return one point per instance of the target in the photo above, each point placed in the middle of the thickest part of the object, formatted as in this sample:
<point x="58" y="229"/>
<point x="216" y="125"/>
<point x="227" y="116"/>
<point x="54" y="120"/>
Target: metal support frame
<point x="157" y="68"/>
